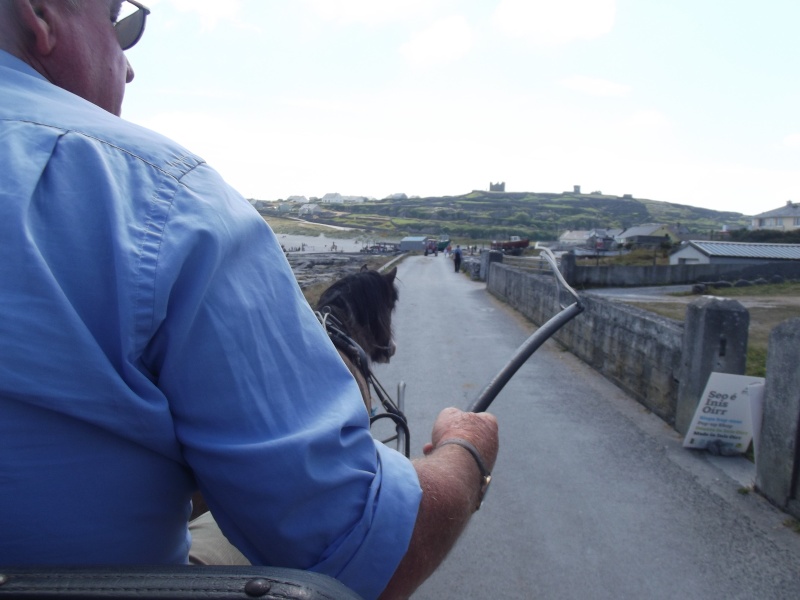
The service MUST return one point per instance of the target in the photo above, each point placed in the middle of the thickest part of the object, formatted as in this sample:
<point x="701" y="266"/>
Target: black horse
<point x="357" y="314"/>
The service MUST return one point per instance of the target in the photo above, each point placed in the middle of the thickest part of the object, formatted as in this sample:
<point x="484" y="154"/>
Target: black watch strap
<point x="486" y="476"/>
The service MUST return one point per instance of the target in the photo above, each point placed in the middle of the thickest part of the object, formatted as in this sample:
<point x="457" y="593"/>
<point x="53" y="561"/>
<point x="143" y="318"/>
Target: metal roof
<point x="746" y="250"/>
<point x="648" y="229"/>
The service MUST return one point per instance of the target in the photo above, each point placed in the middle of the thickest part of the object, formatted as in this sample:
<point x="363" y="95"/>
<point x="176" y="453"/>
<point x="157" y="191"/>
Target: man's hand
<point x="451" y="490"/>
<point x="478" y="428"/>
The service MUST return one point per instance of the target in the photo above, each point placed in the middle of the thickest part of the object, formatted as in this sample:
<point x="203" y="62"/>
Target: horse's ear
<point x="364" y="267"/>
<point x="390" y="275"/>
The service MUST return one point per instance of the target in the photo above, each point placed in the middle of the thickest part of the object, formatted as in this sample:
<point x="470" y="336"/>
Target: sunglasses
<point x="130" y="29"/>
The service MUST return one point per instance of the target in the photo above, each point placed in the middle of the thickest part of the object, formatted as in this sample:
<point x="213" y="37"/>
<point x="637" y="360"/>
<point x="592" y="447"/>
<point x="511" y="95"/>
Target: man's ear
<point x="39" y="18"/>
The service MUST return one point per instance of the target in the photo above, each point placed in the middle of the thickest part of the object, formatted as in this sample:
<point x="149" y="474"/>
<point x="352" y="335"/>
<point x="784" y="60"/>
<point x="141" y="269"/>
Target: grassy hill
<point x="483" y="215"/>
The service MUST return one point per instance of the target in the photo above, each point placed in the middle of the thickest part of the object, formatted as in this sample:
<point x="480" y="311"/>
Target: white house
<point x="308" y="209"/>
<point x="574" y="237"/>
<point x="648" y="235"/>
<point x="336" y="198"/>
<point x="717" y="253"/>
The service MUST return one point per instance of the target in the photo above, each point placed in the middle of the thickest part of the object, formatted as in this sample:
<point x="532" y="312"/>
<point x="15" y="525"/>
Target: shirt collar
<point x="9" y="61"/>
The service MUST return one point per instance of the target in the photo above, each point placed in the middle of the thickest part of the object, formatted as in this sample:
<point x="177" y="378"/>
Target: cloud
<point x="554" y="22"/>
<point x="211" y="12"/>
<point x="792" y="141"/>
<point x="369" y="12"/>
<point x="443" y="42"/>
<point x="594" y="86"/>
<point x="648" y="119"/>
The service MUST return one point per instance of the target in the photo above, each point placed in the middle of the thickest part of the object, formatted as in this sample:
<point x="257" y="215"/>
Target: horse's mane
<point x="363" y="303"/>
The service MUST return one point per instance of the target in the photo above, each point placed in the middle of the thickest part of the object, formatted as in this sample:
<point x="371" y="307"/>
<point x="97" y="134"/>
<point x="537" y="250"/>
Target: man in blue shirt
<point x="457" y="258"/>
<point x="153" y="340"/>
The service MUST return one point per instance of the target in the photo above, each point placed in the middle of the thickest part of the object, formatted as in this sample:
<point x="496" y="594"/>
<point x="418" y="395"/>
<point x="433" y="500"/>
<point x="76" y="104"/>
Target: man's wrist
<point x="486" y="476"/>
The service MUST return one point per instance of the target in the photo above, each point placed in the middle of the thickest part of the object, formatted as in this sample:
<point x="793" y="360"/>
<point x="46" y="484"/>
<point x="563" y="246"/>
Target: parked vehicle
<point x="514" y="245"/>
<point x="431" y="247"/>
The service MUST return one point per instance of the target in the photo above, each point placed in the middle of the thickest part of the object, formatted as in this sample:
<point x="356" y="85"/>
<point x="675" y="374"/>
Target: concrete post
<point x="778" y="460"/>
<point x="486" y="259"/>
<point x="567" y="267"/>
<point x="714" y="340"/>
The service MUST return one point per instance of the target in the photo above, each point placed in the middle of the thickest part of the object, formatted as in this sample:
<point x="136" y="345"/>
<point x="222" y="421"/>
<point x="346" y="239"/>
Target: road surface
<point x="592" y="497"/>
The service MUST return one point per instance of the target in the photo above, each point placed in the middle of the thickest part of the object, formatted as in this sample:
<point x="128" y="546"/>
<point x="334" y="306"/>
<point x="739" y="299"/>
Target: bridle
<point x="338" y="334"/>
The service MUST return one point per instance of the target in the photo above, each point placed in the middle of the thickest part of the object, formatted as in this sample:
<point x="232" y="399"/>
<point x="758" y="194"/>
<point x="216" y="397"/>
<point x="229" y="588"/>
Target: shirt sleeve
<point x="269" y="419"/>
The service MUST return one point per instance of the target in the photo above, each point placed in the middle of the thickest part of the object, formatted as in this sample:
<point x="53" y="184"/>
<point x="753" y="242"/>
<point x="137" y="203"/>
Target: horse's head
<point x="363" y="302"/>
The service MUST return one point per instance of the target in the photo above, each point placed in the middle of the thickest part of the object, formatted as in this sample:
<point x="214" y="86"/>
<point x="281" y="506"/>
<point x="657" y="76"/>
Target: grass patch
<point x="671" y="310"/>
<point x="766" y="311"/>
<point x="770" y="289"/>
<point x="294" y="227"/>
<point x="763" y="318"/>
<point x="792" y="524"/>
<point x="642" y="257"/>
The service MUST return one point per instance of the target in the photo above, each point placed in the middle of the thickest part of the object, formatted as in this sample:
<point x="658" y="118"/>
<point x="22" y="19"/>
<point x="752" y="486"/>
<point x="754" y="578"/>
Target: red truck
<point x="514" y="245"/>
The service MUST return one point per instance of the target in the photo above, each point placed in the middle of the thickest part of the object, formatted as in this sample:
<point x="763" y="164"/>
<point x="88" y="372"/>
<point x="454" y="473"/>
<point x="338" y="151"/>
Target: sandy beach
<point x="320" y="243"/>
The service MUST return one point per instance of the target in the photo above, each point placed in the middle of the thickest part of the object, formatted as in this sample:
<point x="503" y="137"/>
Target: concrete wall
<point x="637" y="350"/>
<point x="618" y="276"/>
<point x="665" y="364"/>
<point x="778" y="459"/>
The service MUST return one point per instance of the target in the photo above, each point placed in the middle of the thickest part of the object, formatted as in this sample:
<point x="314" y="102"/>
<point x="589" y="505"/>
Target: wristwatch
<point x="486" y="476"/>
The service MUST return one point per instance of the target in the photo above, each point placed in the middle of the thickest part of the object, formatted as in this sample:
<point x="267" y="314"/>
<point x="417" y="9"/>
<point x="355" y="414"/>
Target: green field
<point x="497" y="215"/>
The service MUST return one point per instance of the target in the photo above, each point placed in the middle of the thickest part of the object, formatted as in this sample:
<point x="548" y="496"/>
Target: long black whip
<point x="539" y="337"/>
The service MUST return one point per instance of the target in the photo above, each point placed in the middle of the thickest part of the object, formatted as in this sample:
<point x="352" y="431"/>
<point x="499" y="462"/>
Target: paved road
<point x="592" y="497"/>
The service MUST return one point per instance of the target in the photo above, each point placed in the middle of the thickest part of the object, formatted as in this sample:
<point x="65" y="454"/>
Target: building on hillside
<point x="335" y="198"/>
<point x="331" y="198"/>
<point x="497" y="187"/>
<point x="648" y="236"/>
<point x="413" y="243"/>
<point x="717" y="253"/>
<point x="264" y="205"/>
<point x="593" y="239"/>
<point x="603" y="239"/>
<point x="574" y="237"/>
<point x="785" y="218"/>
<point x="308" y="210"/>
<point x="297" y="199"/>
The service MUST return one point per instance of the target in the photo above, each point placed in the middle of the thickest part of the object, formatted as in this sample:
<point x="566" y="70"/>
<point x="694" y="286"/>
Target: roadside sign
<point x="728" y="415"/>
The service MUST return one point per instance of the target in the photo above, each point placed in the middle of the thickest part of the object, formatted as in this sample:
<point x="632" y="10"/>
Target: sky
<point x="693" y="102"/>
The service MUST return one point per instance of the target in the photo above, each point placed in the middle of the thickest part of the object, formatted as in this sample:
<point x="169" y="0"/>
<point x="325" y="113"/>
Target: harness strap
<point x="337" y="333"/>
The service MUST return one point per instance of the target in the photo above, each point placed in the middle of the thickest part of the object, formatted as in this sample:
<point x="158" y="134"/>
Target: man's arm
<point x="451" y="490"/>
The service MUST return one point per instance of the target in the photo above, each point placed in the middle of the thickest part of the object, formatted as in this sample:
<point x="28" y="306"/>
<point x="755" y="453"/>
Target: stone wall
<point x="665" y="364"/>
<point x="637" y="350"/>
<point x="621" y="276"/>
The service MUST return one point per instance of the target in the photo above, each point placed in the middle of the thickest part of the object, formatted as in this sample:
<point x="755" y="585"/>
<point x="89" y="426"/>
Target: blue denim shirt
<point x="152" y="336"/>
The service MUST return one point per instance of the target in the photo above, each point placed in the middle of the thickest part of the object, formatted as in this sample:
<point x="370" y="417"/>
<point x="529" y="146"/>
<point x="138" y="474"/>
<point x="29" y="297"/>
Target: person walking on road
<point x="457" y="258"/>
